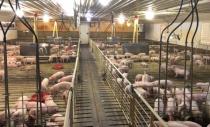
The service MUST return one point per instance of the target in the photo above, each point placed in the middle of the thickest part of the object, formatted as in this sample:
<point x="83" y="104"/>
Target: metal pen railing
<point x="69" y="116"/>
<point x="136" y="109"/>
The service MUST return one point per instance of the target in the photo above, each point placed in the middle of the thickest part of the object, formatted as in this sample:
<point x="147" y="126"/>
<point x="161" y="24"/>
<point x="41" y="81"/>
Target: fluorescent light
<point x="149" y="14"/>
<point x="104" y="2"/>
<point x="88" y="16"/>
<point x="19" y="13"/>
<point x="121" y="19"/>
<point x="67" y="6"/>
<point x="46" y="18"/>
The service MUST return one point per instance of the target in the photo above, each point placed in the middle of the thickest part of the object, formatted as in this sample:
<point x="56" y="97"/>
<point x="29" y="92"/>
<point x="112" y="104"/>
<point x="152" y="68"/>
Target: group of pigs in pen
<point x="178" y="100"/>
<point x="14" y="59"/>
<point x="62" y="53"/>
<point x="24" y="111"/>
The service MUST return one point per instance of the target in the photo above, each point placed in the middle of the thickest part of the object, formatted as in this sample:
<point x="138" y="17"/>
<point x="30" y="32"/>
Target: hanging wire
<point x="38" y="78"/>
<point x="7" y="107"/>
<point x="167" y="43"/>
<point x="160" y="53"/>
<point x="192" y="50"/>
<point x="185" y="64"/>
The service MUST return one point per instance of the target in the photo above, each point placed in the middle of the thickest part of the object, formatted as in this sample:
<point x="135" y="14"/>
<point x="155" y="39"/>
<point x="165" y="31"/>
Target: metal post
<point x="132" y="108"/>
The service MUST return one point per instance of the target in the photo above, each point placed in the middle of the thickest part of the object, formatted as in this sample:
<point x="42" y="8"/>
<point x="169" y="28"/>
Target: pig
<point x="44" y="84"/>
<point x="179" y="94"/>
<point x="152" y="52"/>
<point x="195" y="109"/>
<point x="199" y="63"/>
<point x="32" y="106"/>
<point x="123" y="69"/>
<point x="197" y="57"/>
<point x="202" y="85"/>
<point x="147" y="78"/>
<point x="170" y="84"/>
<point x="2" y="116"/>
<point x="128" y="89"/>
<point x="138" y="77"/>
<point x="191" y="124"/>
<point x="176" y="124"/>
<point x="126" y="62"/>
<point x="171" y="107"/>
<point x="64" y="58"/>
<point x="144" y="84"/>
<point x="159" y="106"/>
<point x="67" y="78"/>
<point x="162" y="91"/>
<point x="145" y="58"/>
<point x="18" y="64"/>
<point x="184" y="104"/>
<point x="29" y="60"/>
<point x="21" y="102"/>
<point x="142" y="92"/>
<point x="57" y="118"/>
<point x="62" y="86"/>
<point x="56" y="76"/>
<point x="52" y="57"/>
<point x="19" y="58"/>
<point x="19" y="114"/>
<point x="141" y="54"/>
<point x="200" y="97"/>
<point x="144" y="64"/>
<point x="180" y="72"/>
<point x="135" y="58"/>
<point x="155" y="59"/>
<point x="128" y="55"/>
<point x="52" y="107"/>
<point x="52" y="124"/>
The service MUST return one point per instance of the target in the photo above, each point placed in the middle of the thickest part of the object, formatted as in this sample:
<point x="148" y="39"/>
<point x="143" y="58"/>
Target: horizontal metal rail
<point x="136" y="109"/>
<point x="68" y="122"/>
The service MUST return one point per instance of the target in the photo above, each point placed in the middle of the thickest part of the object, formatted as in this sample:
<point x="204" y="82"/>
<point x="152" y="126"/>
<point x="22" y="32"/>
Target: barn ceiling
<point x="164" y="9"/>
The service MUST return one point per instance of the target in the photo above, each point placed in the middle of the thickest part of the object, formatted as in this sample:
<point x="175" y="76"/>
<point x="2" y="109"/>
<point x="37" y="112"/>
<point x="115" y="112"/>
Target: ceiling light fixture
<point x="19" y="13"/>
<point x="121" y="19"/>
<point x="46" y="18"/>
<point x="149" y="14"/>
<point x="104" y="2"/>
<point x="88" y="16"/>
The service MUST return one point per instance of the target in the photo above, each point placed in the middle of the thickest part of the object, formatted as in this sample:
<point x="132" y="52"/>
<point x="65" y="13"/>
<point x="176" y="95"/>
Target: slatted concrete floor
<point x="95" y="103"/>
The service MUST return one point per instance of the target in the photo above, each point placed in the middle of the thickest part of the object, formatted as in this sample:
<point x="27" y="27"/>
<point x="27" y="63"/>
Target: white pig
<point x="67" y="78"/>
<point x="56" y="75"/>
<point x="191" y="124"/>
<point x="62" y="86"/>
<point x="44" y="84"/>
<point x="159" y="106"/>
<point x="57" y="118"/>
<point x="138" y="77"/>
<point x="32" y="106"/>
<point x="171" y="107"/>
<point x="202" y="85"/>
<point x="170" y="84"/>
<point x="52" y="107"/>
<point x="180" y="72"/>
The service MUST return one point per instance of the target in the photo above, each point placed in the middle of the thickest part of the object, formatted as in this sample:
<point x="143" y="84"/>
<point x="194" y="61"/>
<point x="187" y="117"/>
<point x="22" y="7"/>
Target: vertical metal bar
<point x="23" y="110"/>
<point x="7" y="109"/>
<point x="132" y="108"/>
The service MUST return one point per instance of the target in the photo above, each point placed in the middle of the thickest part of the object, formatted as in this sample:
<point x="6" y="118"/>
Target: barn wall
<point x="153" y="32"/>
